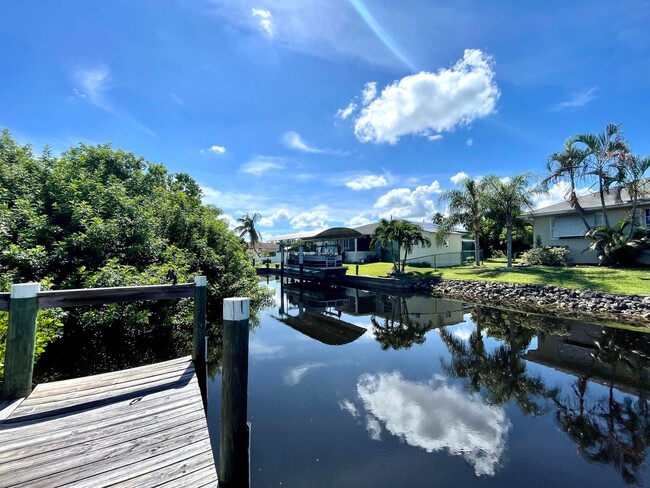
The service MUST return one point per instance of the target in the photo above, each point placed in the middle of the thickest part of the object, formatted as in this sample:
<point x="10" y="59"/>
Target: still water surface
<point x="350" y="388"/>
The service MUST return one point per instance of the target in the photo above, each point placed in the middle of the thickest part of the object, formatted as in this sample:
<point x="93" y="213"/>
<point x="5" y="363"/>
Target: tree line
<point x="95" y="216"/>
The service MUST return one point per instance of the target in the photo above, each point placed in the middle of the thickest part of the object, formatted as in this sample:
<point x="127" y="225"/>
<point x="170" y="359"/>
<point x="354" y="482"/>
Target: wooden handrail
<point x="99" y="296"/>
<point x="25" y="300"/>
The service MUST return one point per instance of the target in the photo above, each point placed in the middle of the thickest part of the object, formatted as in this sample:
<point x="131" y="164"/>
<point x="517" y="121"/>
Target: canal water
<point x="355" y="389"/>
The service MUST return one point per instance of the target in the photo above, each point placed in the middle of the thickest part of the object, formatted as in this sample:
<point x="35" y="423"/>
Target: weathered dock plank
<point x="139" y="427"/>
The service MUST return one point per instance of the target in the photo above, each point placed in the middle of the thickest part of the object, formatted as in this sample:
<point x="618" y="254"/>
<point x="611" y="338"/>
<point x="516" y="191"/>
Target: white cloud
<point x="348" y="406"/>
<point x="344" y="113"/>
<point x="214" y="150"/>
<point x="434" y="137"/>
<point x="404" y="203"/>
<point x="577" y="100"/>
<point x="265" y="20"/>
<point x="458" y="177"/>
<point x="463" y="424"/>
<point x="423" y="102"/>
<point x="262" y="164"/>
<point x="358" y="221"/>
<point x="369" y="92"/>
<point x="463" y="332"/>
<point x="556" y="194"/>
<point x="316" y="219"/>
<point x="469" y="141"/>
<point x="281" y="214"/>
<point x="293" y="141"/>
<point x="229" y="220"/>
<point x="366" y="182"/>
<point x="293" y="376"/>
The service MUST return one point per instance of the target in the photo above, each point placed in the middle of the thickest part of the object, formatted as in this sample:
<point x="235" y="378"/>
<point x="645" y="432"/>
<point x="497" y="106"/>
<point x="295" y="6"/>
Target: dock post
<point x="21" y="339"/>
<point x="199" y="351"/>
<point x="233" y="446"/>
<point x="301" y="261"/>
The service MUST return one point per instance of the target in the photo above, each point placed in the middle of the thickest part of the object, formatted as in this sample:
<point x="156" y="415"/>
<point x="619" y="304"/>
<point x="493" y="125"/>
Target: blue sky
<point x="326" y="112"/>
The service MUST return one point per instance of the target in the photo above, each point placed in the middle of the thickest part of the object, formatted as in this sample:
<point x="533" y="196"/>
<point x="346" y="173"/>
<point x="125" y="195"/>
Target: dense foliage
<point x="96" y="216"/>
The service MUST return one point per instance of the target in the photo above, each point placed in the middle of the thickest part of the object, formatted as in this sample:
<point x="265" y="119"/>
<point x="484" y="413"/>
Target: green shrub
<point x="546" y="256"/>
<point x="498" y="254"/>
<point x="419" y="265"/>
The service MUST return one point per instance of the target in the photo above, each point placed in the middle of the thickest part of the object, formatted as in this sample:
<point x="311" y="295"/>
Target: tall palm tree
<point x="247" y="227"/>
<point x="568" y="164"/>
<point x="407" y="236"/>
<point x="604" y="151"/>
<point x="507" y="198"/>
<point x="466" y="206"/>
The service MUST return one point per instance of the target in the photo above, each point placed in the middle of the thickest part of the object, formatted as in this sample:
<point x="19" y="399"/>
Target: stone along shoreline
<point x="551" y="300"/>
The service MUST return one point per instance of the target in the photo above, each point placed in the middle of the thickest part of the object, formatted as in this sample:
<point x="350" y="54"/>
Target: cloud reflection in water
<point x="434" y="416"/>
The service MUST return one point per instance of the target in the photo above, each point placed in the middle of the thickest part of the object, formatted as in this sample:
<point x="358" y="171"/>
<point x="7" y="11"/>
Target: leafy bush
<point x="419" y="265"/>
<point x="546" y="256"/>
<point x="617" y="245"/>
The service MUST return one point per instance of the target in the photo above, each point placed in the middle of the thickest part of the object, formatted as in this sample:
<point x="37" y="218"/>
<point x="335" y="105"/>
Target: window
<point x="569" y="226"/>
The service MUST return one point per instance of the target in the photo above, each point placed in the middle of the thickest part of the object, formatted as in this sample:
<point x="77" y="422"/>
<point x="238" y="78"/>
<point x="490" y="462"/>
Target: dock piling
<point x="233" y="448"/>
<point x="21" y="339"/>
<point x="200" y="351"/>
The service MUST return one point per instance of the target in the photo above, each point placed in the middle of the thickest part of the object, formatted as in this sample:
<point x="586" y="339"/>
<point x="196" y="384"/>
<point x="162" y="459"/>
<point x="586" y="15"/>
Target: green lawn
<point x="613" y="280"/>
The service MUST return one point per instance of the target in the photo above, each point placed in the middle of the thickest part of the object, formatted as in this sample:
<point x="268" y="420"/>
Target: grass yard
<point x="614" y="280"/>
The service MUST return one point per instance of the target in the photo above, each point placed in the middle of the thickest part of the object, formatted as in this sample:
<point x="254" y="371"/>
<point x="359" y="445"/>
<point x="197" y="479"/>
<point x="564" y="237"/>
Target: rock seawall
<point x="554" y="300"/>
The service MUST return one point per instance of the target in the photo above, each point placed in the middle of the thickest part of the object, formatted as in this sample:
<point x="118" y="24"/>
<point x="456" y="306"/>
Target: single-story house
<point x="561" y="225"/>
<point x="353" y="244"/>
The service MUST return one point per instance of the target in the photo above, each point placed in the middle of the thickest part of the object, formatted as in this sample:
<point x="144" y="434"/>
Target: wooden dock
<point x="141" y="427"/>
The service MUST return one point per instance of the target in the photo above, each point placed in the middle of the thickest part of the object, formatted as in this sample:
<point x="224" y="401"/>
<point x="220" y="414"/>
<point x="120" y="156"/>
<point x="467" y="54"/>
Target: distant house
<point x="353" y="244"/>
<point x="561" y="225"/>
<point x="448" y="253"/>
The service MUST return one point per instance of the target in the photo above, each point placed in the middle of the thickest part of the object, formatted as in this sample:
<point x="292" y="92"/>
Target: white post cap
<point x="25" y="290"/>
<point x="236" y="308"/>
<point x="200" y="281"/>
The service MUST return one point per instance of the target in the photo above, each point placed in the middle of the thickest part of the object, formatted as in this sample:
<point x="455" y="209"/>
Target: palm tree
<point x="247" y="226"/>
<point x="407" y="236"/>
<point x="630" y="175"/>
<point x="568" y="164"/>
<point x="466" y="206"/>
<point x="384" y="236"/>
<point x="605" y="150"/>
<point x="506" y="198"/>
<point x="399" y="233"/>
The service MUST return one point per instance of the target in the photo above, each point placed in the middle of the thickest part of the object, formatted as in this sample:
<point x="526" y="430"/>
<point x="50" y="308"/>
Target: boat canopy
<point x="322" y="235"/>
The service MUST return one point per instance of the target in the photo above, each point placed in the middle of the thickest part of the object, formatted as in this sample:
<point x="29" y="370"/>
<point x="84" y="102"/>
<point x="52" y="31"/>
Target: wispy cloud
<point x="577" y="100"/>
<point x="93" y="85"/>
<point x="469" y="141"/>
<point x="293" y="141"/>
<point x="344" y="113"/>
<point x="262" y="164"/>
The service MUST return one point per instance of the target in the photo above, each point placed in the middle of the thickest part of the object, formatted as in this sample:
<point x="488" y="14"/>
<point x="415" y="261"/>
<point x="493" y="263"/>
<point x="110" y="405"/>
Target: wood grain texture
<point x="140" y="427"/>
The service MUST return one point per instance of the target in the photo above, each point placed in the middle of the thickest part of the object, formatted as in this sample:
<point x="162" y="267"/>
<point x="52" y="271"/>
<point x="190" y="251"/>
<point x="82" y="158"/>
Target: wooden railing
<point x="24" y="301"/>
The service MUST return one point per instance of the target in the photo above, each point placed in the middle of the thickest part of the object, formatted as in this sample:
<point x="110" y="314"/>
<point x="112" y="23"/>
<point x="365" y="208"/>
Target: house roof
<point x="426" y="226"/>
<point x="591" y="202"/>
<point x="335" y="233"/>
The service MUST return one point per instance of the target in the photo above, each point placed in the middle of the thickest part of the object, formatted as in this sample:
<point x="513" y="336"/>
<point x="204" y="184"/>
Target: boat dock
<point x="140" y="427"/>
